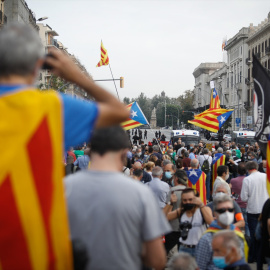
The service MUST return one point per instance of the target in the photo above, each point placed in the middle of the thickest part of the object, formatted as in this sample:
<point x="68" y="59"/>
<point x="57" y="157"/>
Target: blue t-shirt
<point x="79" y="116"/>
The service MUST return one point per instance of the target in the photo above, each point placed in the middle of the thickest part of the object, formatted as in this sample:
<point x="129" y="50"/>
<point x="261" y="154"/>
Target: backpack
<point x="205" y="166"/>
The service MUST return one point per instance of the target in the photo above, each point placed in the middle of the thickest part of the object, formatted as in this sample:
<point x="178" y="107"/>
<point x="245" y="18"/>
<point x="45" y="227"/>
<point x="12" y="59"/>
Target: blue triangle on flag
<point x="137" y="115"/>
<point x="223" y="118"/>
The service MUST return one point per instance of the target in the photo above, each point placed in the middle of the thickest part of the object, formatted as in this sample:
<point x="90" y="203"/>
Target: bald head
<point x="137" y="166"/>
<point x="194" y="164"/>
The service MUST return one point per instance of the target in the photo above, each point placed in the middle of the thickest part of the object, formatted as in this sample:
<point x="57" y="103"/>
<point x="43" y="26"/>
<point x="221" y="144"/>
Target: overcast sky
<point x="154" y="44"/>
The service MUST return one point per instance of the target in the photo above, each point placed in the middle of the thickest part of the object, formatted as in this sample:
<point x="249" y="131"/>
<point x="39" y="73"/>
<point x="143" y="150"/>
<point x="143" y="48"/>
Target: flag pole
<point x="114" y="81"/>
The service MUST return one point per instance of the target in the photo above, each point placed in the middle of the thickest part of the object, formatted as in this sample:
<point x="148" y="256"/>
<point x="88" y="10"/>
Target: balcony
<point x="53" y="42"/>
<point x="267" y="50"/>
<point x="247" y="81"/>
<point x="248" y="61"/>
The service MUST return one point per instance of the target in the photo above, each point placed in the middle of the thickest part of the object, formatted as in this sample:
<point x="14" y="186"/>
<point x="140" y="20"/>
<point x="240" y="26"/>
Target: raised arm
<point x="111" y="111"/>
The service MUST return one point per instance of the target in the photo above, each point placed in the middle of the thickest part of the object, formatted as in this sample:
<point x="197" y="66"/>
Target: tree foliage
<point x="174" y="107"/>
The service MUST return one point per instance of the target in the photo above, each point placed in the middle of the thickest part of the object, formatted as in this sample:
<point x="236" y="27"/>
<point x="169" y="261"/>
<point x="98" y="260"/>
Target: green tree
<point x="126" y="100"/>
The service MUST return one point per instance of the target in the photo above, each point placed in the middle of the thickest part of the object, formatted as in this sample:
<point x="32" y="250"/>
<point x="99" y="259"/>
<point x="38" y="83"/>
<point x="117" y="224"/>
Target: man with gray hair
<point x="156" y="153"/>
<point x="182" y="261"/>
<point x="224" y="214"/>
<point x="220" y="150"/>
<point x="160" y="188"/>
<point x="227" y="251"/>
<point x="180" y="149"/>
<point x="253" y="192"/>
<point x="38" y="125"/>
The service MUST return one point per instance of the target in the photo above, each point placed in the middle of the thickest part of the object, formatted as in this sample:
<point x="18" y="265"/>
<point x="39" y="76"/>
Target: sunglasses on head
<point x="223" y="210"/>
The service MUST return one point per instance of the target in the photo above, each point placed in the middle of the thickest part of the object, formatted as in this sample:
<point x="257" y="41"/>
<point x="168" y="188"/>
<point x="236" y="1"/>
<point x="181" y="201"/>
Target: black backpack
<point x="205" y="166"/>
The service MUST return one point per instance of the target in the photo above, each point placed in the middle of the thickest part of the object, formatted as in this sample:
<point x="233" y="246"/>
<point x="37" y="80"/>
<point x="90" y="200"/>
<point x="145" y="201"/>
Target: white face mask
<point x="227" y="176"/>
<point x="218" y="194"/>
<point x="264" y="169"/>
<point x="226" y="218"/>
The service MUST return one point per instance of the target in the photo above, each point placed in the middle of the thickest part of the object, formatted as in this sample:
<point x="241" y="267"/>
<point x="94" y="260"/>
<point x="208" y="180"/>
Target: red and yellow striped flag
<point x="104" y="60"/>
<point x="196" y="180"/>
<point x="136" y="117"/>
<point x="34" y="230"/>
<point x="214" y="102"/>
<point x="268" y="167"/>
<point x="219" y="159"/>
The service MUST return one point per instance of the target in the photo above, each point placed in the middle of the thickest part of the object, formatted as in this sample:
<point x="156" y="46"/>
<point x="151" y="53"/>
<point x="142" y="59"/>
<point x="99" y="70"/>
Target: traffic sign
<point x="237" y="121"/>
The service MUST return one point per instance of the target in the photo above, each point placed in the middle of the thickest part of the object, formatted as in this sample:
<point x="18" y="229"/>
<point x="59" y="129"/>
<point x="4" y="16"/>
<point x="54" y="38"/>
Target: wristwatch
<point x="169" y="203"/>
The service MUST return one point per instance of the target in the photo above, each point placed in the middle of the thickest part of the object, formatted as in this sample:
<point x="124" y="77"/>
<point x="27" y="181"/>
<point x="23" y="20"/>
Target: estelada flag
<point x="196" y="180"/>
<point x="261" y="104"/>
<point x="136" y="117"/>
<point x="104" y="59"/>
<point x="214" y="101"/>
<point x="211" y="119"/>
<point x="34" y="231"/>
<point x="219" y="159"/>
<point x="268" y="167"/>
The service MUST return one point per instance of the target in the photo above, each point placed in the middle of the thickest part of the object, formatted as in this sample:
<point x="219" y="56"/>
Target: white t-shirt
<point x="197" y="230"/>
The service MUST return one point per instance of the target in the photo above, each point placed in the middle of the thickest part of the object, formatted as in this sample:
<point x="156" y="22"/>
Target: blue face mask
<point x="168" y="175"/>
<point x="172" y="182"/>
<point x="220" y="262"/>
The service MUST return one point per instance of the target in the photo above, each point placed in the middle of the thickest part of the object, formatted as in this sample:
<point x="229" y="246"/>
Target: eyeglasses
<point x="223" y="210"/>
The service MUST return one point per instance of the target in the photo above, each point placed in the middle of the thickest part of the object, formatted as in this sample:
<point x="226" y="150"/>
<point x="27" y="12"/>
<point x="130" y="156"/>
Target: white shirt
<point x="254" y="192"/>
<point x="220" y="180"/>
<point x="202" y="158"/>
<point x="197" y="230"/>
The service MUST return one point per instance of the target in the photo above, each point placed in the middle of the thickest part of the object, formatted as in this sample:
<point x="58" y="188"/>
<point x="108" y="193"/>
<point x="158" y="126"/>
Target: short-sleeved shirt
<point x="160" y="189"/>
<point x="79" y="116"/>
<point x="236" y="188"/>
<point x="237" y="211"/>
<point x="113" y="215"/>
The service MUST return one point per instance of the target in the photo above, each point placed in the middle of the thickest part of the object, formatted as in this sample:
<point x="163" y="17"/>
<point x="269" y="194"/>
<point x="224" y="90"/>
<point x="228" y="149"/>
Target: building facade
<point x="3" y="17"/>
<point x="18" y="11"/>
<point x="202" y="92"/>
<point x="236" y="87"/>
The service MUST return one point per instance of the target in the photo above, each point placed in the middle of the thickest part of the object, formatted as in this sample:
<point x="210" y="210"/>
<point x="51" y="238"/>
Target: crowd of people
<point x="121" y="205"/>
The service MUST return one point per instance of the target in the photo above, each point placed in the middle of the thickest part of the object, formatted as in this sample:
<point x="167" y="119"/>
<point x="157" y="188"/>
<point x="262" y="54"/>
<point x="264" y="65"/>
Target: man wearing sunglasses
<point x="224" y="214"/>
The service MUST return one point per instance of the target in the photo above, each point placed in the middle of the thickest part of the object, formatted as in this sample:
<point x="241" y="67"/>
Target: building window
<point x="256" y="50"/>
<point x="265" y="45"/>
<point x="240" y="76"/>
<point x="228" y="82"/>
<point x="249" y="74"/>
<point x="252" y="51"/>
<point x="259" y="48"/>
<point x="231" y="81"/>
<point x="262" y="48"/>
<point x="248" y="53"/>
<point x="241" y="50"/>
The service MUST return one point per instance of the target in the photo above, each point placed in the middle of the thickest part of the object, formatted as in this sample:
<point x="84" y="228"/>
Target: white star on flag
<point x="215" y="158"/>
<point x="133" y="114"/>
<point x="193" y="172"/>
<point x="223" y="119"/>
<point x="214" y="94"/>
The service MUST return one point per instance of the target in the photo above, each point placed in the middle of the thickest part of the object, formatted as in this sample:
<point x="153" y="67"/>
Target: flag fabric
<point x="211" y="119"/>
<point x="268" y="167"/>
<point x="219" y="159"/>
<point x="34" y="226"/>
<point x="104" y="60"/>
<point x="214" y="102"/>
<point x="224" y="43"/>
<point x="196" y="180"/>
<point x="136" y="117"/>
<point x="261" y="106"/>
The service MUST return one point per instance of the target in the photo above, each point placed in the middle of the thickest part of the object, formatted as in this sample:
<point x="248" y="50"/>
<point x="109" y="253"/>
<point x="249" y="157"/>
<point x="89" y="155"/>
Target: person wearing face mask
<point x="222" y="175"/>
<point x="224" y="215"/>
<point x="193" y="216"/>
<point x="172" y="155"/>
<point x="253" y="192"/>
<point x="220" y="189"/>
<point x="169" y="171"/>
<point x="226" y="251"/>
<point x="179" y="183"/>
<point x="252" y="157"/>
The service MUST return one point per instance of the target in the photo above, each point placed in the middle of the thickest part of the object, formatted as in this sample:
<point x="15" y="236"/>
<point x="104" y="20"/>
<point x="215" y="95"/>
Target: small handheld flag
<point x="214" y="102"/>
<point x="136" y="117"/>
<point x="104" y="60"/>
